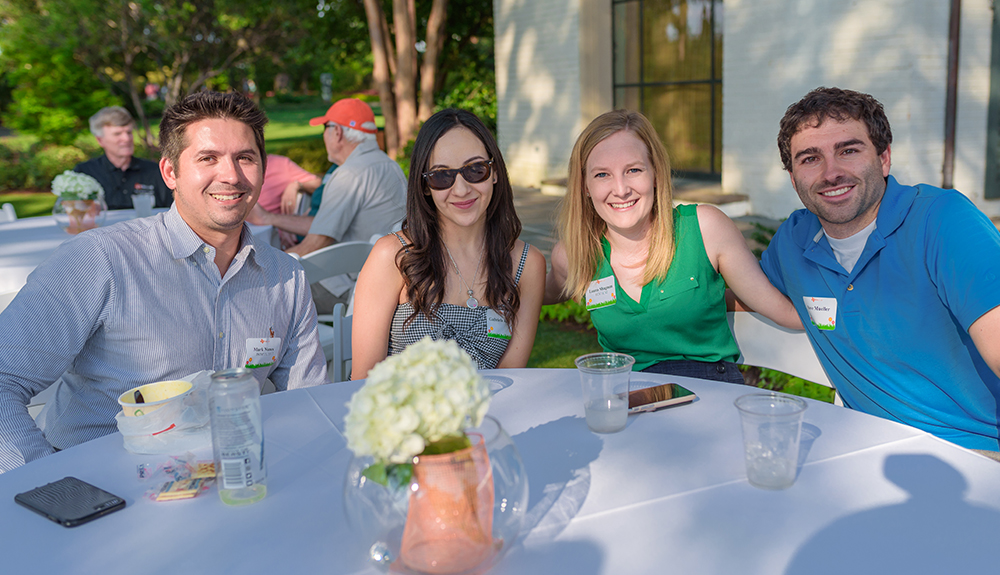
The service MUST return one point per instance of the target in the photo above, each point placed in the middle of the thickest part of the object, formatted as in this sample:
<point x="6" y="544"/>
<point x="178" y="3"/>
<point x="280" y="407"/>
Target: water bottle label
<point x="237" y="468"/>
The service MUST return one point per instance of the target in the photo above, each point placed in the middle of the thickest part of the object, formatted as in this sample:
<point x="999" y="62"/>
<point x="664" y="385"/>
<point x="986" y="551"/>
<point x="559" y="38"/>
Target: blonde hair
<point x="581" y="229"/>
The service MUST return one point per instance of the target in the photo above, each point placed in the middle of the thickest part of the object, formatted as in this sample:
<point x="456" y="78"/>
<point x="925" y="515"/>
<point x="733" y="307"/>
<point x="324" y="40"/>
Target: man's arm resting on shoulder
<point x="295" y="224"/>
<point x="985" y="333"/>
<point x="290" y="195"/>
<point x="311" y="243"/>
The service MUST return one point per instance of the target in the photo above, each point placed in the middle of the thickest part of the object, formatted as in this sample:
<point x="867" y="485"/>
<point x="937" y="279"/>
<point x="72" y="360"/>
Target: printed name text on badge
<point x="601" y="293"/>
<point x="496" y="326"/>
<point x="822" y="312"/>
<point x="262" y="352"/>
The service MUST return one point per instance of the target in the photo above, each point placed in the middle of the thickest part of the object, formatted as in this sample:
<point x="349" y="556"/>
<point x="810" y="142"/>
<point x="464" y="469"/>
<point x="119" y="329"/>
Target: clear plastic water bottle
<point x="237" y="436"/>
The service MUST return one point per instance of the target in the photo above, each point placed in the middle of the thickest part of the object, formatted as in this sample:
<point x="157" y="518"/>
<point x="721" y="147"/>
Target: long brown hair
<point x="422" y="262"/>
<point x="581" y="228"/>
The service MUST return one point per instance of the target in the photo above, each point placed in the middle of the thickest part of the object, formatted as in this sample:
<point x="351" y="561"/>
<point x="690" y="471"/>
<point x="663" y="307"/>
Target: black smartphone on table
<point x="70" y="501"/>
<point x="658" y="397"/>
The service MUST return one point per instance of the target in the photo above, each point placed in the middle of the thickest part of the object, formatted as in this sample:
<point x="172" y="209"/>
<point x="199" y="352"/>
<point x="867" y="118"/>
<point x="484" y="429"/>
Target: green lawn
<point x="558" y="344"/>
<point x="28" y="204"/>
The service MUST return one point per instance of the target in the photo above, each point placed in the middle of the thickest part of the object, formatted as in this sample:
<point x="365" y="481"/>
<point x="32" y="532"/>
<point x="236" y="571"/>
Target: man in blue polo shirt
<point x="898" y="286"/>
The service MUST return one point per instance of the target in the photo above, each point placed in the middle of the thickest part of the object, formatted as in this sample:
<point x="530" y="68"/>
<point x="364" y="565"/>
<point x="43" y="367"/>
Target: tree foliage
<point x="96" y="51"/>
<point x="53" y="93"/>
<point x="64" y="59"/>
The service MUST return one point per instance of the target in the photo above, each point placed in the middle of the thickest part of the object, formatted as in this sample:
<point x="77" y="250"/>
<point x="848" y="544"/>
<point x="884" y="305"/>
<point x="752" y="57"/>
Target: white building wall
<point x="775" y="51"/>
<point x="538" y="86"/>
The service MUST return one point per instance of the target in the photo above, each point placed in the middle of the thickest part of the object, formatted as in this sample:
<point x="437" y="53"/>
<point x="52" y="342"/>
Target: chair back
<point x="764" y="343"/>
<point x="335" y="260"/>
<point x="336" y="341"/>
<point x="7" y="213"/>
<point x="6" y="298"/>
<point x="341" y="356"/>
<point x="335" y="338"/>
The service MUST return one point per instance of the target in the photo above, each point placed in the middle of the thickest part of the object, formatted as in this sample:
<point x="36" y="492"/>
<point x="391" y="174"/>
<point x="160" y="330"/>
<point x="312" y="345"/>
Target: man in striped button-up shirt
<point x="161" y="297"/>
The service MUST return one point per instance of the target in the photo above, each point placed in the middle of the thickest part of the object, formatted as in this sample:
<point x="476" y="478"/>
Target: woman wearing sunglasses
<point x="456" y="270"/>
<point x="653" y="276"/>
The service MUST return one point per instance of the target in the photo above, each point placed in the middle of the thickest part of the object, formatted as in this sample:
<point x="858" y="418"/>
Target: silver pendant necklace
<point x="472" y="302"/>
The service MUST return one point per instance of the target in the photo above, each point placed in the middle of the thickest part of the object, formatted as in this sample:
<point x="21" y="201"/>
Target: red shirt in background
<point x="281" y="171"/>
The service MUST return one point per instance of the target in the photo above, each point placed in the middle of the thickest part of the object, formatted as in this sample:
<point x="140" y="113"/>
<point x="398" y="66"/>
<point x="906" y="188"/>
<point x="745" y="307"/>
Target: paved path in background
<point x="538" y="214"/>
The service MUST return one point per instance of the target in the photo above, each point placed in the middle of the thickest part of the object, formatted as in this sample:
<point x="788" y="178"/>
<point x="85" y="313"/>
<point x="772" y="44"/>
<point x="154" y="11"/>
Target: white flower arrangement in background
<point x="419" y="401"/>
<point x="71" y="185"/>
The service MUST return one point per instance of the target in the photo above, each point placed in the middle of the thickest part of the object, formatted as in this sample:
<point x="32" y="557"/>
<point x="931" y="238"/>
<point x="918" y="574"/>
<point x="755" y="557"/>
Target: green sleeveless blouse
<point x="681" y="317"/>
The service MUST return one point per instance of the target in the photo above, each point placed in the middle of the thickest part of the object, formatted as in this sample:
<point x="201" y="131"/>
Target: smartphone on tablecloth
<point x="658" y="397"/>
<point x="70" y="501"/>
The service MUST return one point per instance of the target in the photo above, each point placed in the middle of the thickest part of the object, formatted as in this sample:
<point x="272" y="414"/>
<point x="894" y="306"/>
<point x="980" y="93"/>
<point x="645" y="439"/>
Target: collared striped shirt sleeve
<point x="138" y="302"/>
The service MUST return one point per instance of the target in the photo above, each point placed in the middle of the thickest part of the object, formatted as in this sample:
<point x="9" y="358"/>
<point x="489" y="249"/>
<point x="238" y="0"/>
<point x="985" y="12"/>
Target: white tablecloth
<point x="666" y="495"/>
<point x="25" y="243"/>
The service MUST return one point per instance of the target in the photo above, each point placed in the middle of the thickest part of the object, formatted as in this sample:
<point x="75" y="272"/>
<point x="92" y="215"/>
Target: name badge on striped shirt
<point x="262" y="352"/>
<point x="601" y="293"/>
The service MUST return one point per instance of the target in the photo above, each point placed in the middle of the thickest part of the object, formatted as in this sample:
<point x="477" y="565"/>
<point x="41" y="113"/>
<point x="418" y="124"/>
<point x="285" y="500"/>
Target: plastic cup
<point x="604" y="377"/>
<point x="772" y="427"/>
<point x="143" y="203"/>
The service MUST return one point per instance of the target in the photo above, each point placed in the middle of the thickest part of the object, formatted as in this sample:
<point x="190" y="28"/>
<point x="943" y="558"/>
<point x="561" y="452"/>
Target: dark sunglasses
<point x="473" y="173"/>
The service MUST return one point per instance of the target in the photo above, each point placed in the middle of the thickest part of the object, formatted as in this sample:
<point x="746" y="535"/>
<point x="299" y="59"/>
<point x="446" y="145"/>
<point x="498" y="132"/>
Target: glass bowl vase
<point x="459" y="513"/>
<point x="75" y="216"/>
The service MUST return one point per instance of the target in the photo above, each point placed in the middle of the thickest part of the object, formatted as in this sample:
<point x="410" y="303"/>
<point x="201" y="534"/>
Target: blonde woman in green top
<point x="654" y="277"/>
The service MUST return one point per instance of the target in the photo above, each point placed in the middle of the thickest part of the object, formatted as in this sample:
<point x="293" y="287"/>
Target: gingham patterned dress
<point x="467" y="326"/>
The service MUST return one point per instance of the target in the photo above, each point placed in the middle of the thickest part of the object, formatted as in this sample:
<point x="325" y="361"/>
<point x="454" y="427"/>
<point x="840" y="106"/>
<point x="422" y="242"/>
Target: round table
<point x="666" y="495"/>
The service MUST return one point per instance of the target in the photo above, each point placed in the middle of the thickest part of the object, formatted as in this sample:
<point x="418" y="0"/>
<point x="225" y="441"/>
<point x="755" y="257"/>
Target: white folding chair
<point x="340" y="349"/>
<point x="335" y="260"/>
<point x="36" y="403"/>
<point x="6" y="298"/>
<point x="303" y="201"/>
<point x="764" y="343"/>
<point x="7" y="213"/>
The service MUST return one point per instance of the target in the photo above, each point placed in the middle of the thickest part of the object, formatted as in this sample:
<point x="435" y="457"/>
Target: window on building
<point x="668" y="65"/>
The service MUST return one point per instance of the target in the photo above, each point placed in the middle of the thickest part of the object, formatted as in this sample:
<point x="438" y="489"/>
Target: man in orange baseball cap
<point x="364" y="197"/>
<point x="349" y="112"/>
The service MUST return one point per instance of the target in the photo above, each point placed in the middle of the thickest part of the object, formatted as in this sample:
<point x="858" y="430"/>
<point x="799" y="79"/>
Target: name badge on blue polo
<point x="822" y="312"/>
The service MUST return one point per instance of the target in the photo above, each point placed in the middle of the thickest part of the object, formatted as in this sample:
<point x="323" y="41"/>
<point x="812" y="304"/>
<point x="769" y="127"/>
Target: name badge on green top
<point x="601" y="293"/>
<point x="822" y="312"/>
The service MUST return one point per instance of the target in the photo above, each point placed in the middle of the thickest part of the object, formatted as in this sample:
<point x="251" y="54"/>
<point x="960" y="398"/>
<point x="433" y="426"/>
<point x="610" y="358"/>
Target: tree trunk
<point x="381" y="74"/>
<point x="406" y="72"/>
<point x="128" y="59"/>
<point x="428" y="71"/>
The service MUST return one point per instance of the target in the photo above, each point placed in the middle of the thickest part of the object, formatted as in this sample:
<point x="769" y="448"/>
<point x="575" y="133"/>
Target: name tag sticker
<point x="496" y="326"/>
<point x="262" y="352"/>
<point x="822" y="312"/>
<point x="601" y="293"/>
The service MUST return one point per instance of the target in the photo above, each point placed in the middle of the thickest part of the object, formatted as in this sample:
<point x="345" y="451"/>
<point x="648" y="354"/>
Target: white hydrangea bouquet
<point x="71" y="185"/>
<point x="418" y="402"/>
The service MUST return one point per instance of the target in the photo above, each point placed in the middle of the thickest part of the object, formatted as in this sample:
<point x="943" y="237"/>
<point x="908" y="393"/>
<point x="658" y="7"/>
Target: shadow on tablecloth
<point x="557" y="458"/>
